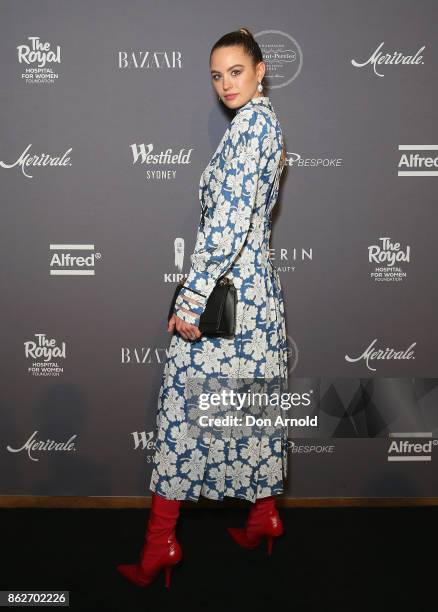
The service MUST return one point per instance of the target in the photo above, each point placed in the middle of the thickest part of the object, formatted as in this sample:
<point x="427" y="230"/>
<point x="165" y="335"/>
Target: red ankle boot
<point x="161" y="549"/>
<point x="263" y="521"/>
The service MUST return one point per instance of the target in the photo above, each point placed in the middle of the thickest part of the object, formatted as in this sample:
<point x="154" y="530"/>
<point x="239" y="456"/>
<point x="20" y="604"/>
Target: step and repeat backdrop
<point x="108" y="118"/>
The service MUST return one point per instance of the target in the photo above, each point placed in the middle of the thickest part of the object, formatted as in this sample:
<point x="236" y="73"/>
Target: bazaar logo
<point x="144" y="355"/>
<point x="154" y="60"/>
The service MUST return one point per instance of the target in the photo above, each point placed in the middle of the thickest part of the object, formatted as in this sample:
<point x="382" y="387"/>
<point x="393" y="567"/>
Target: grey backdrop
<point x="105" y="320"/>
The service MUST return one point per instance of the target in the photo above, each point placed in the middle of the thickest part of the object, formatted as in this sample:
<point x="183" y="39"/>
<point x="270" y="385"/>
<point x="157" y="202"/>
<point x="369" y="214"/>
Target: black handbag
<point x="219" y="316"/>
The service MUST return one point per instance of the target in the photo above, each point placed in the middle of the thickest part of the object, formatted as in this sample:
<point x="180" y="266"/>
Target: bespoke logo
<point x="297" y="160"/>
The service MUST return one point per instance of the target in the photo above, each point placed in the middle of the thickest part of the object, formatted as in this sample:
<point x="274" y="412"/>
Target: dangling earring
<point x="260" y="87"/>
<point x="219" y="98"/>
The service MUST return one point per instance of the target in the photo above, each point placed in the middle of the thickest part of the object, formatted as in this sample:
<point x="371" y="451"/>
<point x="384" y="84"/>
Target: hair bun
<point x="246" y="31"/>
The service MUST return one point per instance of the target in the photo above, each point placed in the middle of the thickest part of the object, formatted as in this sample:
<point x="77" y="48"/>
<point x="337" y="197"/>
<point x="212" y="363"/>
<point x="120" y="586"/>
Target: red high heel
<point x="161" y="549"/>
<point x="263" y="521"/>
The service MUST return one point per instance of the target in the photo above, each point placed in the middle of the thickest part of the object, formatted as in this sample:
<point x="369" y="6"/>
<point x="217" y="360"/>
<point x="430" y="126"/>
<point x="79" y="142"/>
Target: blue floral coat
<point x="237" y="192"/>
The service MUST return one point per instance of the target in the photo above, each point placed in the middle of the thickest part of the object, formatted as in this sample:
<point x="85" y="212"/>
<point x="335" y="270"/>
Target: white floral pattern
<point x="237" y="190"/>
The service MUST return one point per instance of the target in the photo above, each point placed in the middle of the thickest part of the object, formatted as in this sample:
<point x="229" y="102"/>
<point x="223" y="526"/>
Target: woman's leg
<point x="263" y="521"/>
<point x="161" y="549"/>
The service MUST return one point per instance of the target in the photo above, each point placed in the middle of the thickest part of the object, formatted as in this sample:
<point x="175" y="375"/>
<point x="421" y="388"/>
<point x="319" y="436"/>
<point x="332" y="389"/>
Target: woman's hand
<point x="187" y="330"/>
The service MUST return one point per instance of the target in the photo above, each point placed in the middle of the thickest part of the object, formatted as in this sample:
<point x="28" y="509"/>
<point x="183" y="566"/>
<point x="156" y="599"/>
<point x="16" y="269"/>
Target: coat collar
<point x="262" y="100"/>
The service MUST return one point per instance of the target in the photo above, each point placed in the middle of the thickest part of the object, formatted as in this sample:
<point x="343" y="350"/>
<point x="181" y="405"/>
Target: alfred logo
<point x="415" y="449"/>
<point x="33" y="445"/>
<point x="371" y="354"/>
<point x="36" y="56"/>
<point x="26" y="159"/>
<point x="68" y="264"/>
<point x="380" y="57"/>
<point x="418" y="164"/>
<point x="45" y="352"/>
<point x="153" y="60"/>
<point x="387" y="256"/>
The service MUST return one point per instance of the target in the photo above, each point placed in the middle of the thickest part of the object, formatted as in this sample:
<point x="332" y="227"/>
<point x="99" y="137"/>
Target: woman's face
<point x="234" y="75"/>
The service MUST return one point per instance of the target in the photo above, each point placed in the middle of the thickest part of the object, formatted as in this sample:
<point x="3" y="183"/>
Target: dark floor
<point x="329" y="559"/>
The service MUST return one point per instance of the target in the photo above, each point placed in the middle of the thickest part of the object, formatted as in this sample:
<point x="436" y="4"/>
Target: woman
<point x="238" y="190"/>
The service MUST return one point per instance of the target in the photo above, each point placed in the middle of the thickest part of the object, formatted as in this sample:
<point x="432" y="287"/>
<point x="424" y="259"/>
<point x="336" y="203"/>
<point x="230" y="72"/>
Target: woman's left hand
<point x="187" y="330"/>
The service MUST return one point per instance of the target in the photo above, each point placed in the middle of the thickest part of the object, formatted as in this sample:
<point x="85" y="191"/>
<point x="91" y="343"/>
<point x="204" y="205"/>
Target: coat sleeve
<point x="233" y="193"/>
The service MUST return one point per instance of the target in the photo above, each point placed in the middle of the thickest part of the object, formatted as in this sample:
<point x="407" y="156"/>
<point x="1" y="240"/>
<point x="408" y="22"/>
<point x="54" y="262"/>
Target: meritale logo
<point x="40" y="445"/>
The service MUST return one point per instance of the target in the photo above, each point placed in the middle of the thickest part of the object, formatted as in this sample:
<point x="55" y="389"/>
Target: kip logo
<point x="402" y="449"/>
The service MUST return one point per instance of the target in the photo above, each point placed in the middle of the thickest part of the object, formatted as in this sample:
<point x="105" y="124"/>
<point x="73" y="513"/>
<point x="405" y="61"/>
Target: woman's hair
<point x="244" y="38"/>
